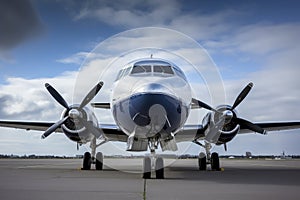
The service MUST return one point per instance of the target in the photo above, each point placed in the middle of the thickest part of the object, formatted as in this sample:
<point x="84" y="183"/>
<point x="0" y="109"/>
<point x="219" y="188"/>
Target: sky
<point x="54" y="41"/>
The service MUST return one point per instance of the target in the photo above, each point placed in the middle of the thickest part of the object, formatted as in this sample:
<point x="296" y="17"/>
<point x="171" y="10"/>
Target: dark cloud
<point x="18" y="22"/>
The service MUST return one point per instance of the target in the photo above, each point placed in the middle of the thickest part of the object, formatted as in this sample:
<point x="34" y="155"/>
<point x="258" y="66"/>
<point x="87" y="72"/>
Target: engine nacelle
<point x="227" y="127"/>
<point x="73" y="128"/>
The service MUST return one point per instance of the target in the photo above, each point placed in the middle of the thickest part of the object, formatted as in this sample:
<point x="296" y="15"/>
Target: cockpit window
<point x="141" y="69"/>
<point x="162" y="69"/>
<point x="126" y="71"/>
<point x="123" y="72"/>
<point x="179" y="73"/>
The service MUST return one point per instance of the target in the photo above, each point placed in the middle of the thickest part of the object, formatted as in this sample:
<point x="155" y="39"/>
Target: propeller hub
<point x="74" y="113"/>
<point x="228" y="115"/>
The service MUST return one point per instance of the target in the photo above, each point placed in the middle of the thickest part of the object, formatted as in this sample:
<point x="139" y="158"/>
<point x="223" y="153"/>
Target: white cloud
<point x="258" y="40"/>
<point x="130" y="14"/>
<point x="28" y="99"/>
<point x="77" y="58"/>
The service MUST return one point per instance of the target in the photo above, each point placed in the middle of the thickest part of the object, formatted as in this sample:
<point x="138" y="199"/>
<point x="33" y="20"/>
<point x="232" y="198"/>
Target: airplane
<point x="150" y="103"/>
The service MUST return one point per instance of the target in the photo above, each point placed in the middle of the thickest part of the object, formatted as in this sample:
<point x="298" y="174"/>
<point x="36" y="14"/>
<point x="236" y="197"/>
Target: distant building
<point x="248" y="154"/>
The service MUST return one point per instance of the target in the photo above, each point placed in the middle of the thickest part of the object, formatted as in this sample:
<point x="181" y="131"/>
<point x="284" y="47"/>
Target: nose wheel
<point x="159" y="168"/>
<point x="153" y="163"/>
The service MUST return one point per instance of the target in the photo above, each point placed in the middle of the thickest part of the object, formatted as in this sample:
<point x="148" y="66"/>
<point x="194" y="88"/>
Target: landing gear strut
<point x="153" y="162"/>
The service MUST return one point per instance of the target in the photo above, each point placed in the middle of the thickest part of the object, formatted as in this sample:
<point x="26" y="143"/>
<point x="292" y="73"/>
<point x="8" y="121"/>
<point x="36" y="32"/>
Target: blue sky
<point x="248" y="41"/>
<point x="60" y="34"/>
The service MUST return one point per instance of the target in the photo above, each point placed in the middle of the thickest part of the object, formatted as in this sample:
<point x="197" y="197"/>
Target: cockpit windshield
<point x="163" y="69"/>
<point x="141" y="69"/>
<point x="152" y="68"/>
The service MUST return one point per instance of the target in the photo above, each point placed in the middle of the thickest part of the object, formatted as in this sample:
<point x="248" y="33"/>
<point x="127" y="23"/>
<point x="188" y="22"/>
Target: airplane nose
<point x="140" y="109"/>
<point x="153" y="88"/>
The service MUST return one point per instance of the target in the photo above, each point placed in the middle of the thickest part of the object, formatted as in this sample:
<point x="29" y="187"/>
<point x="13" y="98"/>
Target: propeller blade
<point x="204" y="105"/>
<point x="242" y="95"/>
<point x="52" y="128"/>
<point x="56" y="96"/>
<point x="95" y="131"/>
<point x="91" y="95"/>
<point x="250" y="126"/>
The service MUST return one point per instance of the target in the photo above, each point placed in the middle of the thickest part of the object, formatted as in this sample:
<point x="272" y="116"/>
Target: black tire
<point x="147" y="168"/>
<point x="159" y="168"/>
<point x="202" y="162"/>
<point x="87" y="161"/>
<point x="215" y="162"/>
<point x="99" y="161"/>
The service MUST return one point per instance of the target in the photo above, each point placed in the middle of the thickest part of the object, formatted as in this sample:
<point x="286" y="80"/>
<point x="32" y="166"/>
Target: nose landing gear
<point x="153" y="162"/>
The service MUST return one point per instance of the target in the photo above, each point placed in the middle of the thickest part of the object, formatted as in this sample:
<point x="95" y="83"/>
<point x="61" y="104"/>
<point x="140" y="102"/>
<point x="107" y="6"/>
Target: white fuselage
<point x="151" y="97"/>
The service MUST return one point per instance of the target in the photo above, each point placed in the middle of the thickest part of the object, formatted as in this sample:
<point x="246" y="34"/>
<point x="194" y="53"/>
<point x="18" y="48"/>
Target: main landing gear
<point x="93" y="158"/>
<point x="208" y="158"/>
<point x="88" y="160"/>
<point x="153" y="163"/>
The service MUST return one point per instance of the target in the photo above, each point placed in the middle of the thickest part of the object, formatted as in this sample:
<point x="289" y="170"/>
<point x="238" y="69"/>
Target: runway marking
<point x="145" y="190"/>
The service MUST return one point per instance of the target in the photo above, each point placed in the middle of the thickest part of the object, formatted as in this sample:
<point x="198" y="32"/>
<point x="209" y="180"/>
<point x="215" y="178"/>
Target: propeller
<point x="52" y="128"/>
<point x="249" y="125"/>
<point x="242" y="95"/>
<point x="74" y="112"/>
<point x="91" y="95"/>
<point x="204" y="105"/>
<point x="56" y="96"/>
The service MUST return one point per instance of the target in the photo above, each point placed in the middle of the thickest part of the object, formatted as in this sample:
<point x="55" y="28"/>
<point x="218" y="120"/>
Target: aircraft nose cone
<point x="153" y="88"/>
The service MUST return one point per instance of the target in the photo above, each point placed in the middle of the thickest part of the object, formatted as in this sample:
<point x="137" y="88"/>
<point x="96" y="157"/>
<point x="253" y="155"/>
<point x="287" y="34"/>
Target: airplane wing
<point x="38" y="126"/>
<point x="192" y="132"/>
<point x="273" y="126"/>
<point x="111" y="131"/>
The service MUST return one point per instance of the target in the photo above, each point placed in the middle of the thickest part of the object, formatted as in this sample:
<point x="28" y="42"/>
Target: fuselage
<point x="150" y="97"/>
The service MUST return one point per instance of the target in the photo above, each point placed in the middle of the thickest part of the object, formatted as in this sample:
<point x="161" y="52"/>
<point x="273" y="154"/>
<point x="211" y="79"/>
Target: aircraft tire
<point x="159" y="168"/>
<point x="99" y="161"/>
<point x="147" y="168"/>
<point x="202" y="162"/>
<point x="87" y="161"/>
<point x="215" y="162"/>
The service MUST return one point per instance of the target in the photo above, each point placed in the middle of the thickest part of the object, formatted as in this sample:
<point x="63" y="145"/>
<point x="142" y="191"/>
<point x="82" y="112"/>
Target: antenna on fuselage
<point x="151" y="56"/>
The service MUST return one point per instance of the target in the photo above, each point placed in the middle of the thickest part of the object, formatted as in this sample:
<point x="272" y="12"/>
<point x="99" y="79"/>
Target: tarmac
<point x="53" y="179"/>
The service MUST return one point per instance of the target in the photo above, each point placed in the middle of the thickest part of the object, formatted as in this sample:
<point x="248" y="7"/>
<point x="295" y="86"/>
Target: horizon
<point x="249" y="41"/>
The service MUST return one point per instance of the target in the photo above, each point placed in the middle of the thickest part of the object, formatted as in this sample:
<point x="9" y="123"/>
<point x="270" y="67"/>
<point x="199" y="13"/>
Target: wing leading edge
<point x="274" y="126"/>
<point x="112" y="132"/>
<point x="38" y="126"/>
<point x="192" y="132"/>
